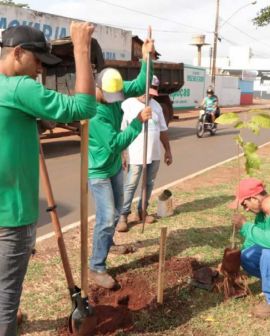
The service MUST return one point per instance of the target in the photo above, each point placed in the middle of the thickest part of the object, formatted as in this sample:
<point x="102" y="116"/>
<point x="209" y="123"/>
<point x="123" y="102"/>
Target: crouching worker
<point x="106" y="143"/>
<point x="24" y="51"/>
<point x="255" y="254"/>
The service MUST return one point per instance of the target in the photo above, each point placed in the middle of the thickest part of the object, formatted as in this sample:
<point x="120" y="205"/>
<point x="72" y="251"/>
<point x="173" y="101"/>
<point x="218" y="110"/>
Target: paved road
<point x="190" y="155"/>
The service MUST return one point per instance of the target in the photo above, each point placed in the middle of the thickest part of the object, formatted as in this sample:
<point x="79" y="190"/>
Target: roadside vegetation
<point x="199" y="230"/>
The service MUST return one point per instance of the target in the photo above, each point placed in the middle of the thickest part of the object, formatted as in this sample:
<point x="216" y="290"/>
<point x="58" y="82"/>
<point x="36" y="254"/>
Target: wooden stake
<point x="161" y="268"/>
<point x="84" y="208"/>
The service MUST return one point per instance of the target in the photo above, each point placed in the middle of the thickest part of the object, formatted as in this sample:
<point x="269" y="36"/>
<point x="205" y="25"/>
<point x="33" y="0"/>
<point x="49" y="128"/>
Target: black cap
<point x="30" y="39"/>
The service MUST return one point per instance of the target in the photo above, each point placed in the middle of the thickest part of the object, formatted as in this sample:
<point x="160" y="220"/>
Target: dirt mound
<point x="134" y="292"/>
<point x="177" y="269"/>
<point x="114" y="309"/>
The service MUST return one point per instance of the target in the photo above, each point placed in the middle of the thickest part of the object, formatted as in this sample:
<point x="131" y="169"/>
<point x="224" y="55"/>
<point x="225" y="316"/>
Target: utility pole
<point x="211" y="59"/>
<point x="213" y="72"/>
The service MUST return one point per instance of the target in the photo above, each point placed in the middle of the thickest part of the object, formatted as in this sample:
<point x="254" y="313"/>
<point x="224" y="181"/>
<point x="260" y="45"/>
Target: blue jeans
<point x="132" y="181"/>
<point x="255" y="260"/>
<point x="16" y="245"/>
<point x="108" y="196"/>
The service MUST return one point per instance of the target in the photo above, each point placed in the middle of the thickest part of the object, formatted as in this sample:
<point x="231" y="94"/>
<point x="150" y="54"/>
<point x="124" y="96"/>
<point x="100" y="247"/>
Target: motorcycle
<point x="205" y="124"/>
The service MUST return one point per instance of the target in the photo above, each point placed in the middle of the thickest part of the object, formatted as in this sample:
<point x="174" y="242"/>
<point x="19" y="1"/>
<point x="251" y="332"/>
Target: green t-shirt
<point x="210" y="103"/>
<point x="257" y="233"/>
<point x="22" y="100"/>
<point x="106" y="141"/>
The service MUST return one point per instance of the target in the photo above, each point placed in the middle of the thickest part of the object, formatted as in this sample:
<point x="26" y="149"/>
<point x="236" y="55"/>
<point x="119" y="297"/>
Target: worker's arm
<point x="256" y="234"/>
<point x="137" y="86"/>
<point x="164" y="138"/>
<point x="52" y="105"/>
<point x="116" y="142"/>
<point x="164" y="135"/>
<point x="81" y="34"/>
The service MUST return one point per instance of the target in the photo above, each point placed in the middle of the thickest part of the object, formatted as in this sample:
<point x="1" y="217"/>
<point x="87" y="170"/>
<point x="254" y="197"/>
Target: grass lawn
<point x="200" y="228"/>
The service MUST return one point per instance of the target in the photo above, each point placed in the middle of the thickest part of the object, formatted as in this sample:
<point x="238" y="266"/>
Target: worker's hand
<point x="145" y="114"/>
<point x="238" y="220"/>
<point x="168" y="158"/>
<point x="81" y="34"/>
<point x="148" y="47"/>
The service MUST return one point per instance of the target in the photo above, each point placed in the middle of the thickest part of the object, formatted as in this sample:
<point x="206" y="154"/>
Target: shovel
<point x="52" y="209"/>
<point x="145" y="143"/>
<point x="83" y="309"/>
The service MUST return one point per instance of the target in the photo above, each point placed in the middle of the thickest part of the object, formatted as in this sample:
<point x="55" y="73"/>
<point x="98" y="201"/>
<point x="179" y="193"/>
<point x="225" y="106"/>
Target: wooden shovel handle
<point x="55" y="219"/>
<point x="84" y="208"/>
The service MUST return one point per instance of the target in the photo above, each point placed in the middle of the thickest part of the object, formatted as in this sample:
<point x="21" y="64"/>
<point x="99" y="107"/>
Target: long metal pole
<point x="211" y="58"/>
<point x="144" y="172"/>
<point x="213" y="72"/>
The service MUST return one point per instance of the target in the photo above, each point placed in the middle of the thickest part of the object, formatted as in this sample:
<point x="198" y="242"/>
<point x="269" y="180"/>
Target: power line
<point x="238" y="45"/>
<point x="249" y="36"/>
<point x="151" y="15"/>
<point x="144" y="29"/>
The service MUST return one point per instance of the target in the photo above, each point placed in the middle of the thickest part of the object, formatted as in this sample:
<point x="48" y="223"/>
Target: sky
<point x="174" y="22"/>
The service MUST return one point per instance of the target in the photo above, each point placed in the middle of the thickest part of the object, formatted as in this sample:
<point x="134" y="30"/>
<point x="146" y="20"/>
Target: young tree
<point x="257" y="121"/>
<point x="12" y="3"/>
<point x="263" y="17"/>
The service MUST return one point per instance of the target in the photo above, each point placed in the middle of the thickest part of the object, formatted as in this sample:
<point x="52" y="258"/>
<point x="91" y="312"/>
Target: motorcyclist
<point x="210" y="104"/>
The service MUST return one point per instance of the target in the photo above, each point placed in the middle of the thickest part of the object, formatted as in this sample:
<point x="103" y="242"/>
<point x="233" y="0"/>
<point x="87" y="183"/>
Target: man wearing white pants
<point x="157" y="132"/>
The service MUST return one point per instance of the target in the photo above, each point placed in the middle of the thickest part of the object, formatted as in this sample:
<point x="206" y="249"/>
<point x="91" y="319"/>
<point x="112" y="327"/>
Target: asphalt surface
<point x="190" y="154"/>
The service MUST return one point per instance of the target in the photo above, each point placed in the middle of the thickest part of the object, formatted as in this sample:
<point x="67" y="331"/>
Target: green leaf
<point x="239" y="140"/>
<point x="263" y="17"/>
<point x="253" y="162"/>
<point x="254" y="127"/>
<point x="262" y="120"/>
<point x="250" y="147"/>
<point x="240" y="124"/>
<point x="227" y="118"/>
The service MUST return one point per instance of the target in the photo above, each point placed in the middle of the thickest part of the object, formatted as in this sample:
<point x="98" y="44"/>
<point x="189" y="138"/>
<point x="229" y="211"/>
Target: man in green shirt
<point x="24" y="50"/>
<point x="255" y="254"/>
<point x="106" y="143"/>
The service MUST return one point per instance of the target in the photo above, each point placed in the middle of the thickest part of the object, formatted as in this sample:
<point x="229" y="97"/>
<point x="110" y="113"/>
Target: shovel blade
<point x="81" y="311"/>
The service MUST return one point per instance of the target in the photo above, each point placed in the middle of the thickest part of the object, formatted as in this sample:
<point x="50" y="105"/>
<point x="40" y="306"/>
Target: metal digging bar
<point x="144" y="172"/>
<point x="75" y="292"/>
<point x="83" y="309"/>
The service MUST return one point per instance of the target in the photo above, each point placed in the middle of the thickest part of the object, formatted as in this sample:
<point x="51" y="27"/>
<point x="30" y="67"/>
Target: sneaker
<point x="149" y="219"/>
<point x="122" y="225"/>
<point x="102" y="279"/>
<point x="261" y="310"/>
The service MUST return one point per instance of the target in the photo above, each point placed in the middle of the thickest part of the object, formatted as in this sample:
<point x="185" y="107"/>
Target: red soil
<point x="137" y="291"/>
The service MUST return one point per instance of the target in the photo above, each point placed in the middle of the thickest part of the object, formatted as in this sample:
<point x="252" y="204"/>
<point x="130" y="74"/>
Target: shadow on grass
<point x="203" y="204"/>
<point x="29" y="327"/>
<point x="180" y="305"/>
<point x="178" y="241"/>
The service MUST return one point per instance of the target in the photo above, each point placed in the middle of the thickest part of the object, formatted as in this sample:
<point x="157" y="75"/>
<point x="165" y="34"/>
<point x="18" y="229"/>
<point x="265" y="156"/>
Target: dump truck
<point x="111" y="47"/>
